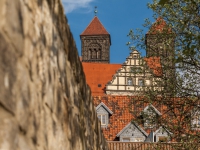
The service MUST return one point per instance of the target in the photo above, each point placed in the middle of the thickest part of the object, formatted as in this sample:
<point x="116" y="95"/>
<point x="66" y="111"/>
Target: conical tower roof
<point x="95" y="28"/>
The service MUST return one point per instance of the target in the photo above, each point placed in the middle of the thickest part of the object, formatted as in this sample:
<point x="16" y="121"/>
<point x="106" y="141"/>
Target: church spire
<point x="95" y="11"/>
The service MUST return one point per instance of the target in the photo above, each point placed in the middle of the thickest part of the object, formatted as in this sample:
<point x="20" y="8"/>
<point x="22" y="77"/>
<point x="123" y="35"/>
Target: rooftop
<point x="95" y="28"/>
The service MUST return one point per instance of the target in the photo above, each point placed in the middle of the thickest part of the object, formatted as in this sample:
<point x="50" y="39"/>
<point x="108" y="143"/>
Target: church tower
<point x="160" y="43"/>
<point x="95" y="43"/>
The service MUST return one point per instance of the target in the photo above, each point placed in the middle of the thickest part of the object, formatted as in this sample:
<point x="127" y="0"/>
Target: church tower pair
<point x="96" y="43"/>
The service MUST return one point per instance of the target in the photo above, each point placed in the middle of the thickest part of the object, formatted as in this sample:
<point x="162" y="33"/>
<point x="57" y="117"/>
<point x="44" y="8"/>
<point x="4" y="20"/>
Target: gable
<point x="135" y="74"/>
<point x="162" y="132"/>
<point x="151" y="107"/>
<point x="102" y="108"/>
<point x="132" y="130"/>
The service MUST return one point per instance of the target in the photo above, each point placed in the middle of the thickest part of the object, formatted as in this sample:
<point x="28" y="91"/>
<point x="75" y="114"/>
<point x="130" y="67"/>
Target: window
<point x="99" y="54"/>
<point x="102" y="118"/>
<point x="150" y="118"/>
<point x="136" y="70"/>
<point x="126" y="140"/>
<point x="103" y="114"/>
<point x="129" y="81"/>
<point x="89" y="53"/>
<point x="138" y="140"/>
<point x="141" y="82"/>
<point x="94" y="54"/>
<point x="134" y="56"/>
<point x="163" y="139"/>
<point x="196" y="120"/>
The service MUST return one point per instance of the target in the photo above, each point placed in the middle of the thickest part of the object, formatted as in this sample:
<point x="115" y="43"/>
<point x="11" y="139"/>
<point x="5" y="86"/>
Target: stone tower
<point x="95" y="43"/>
<point x="160" y="43"/>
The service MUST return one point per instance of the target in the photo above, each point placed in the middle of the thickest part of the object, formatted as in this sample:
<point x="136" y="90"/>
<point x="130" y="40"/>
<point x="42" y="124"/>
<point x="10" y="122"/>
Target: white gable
<point x="133" y="77"/>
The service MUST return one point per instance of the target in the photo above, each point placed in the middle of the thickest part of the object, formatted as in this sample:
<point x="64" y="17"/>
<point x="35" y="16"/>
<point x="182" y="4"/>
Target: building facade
<point x="118" y="90"/>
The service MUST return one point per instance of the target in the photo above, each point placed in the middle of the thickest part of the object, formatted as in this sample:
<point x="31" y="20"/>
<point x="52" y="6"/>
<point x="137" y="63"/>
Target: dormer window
<point x="132" y="133"/>
<point x="162" y="135"/>
<point x="150" y="115"/>
<point x="102" y="118"/>
<point x="103" y="114"/>
<point x="195" y="122"/>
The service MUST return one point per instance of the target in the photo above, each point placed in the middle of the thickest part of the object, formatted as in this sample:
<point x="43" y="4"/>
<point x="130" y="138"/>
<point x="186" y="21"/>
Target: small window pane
<point x="103" y="119"/>
<point x="141" y="82"/>
<point x="126" y="139"/>
<point x="99" y="116"/>
<point x="129" y="81"/>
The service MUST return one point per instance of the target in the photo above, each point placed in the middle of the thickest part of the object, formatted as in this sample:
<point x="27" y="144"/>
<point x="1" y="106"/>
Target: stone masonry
<point x="45" y="103"/>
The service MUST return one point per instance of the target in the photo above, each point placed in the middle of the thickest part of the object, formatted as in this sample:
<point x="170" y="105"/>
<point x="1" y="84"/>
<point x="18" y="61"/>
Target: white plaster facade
<point x="133" y="78"/>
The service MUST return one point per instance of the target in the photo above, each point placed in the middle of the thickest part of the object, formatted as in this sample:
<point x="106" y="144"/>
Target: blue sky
<point x="117" y="16"/>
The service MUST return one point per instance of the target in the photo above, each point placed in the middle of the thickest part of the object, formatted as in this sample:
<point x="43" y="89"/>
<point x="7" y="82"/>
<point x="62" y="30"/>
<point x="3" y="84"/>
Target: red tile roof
<point x="99" y="74"/>
<point x="95" y="28"/>
<point x="124" y="111"/>
<point x="159" y="26"/>
<point x="155" y="65"/>
<point x="128" y="108"/>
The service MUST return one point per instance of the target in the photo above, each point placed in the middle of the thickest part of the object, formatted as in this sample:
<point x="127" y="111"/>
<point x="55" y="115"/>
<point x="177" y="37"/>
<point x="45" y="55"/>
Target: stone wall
<point x="45" y="103"/>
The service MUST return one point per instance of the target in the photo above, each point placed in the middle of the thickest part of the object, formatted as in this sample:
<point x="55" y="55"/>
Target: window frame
<point x="195" y="122"/>
<point x="128" y="139"/>
<point x="101" y="118"/>
<point x="127" y="82"/>
<point x="143" y="82"/>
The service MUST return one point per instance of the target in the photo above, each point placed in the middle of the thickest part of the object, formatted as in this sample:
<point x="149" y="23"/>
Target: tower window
<point x="94" y="54"/>
<point x="99" y="54"/>
<point x="89" y="53"/>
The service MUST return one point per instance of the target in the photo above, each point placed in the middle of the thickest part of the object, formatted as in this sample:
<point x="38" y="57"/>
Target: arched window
<point x="94" y="54"/>
<point x="99" y="54"/>
<point x="95" y="51"/>
<point x="89" y="53"/>
<point x="129" y="81"/>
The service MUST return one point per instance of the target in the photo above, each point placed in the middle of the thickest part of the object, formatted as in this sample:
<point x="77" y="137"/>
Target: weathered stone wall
<point x="45" y="103"/>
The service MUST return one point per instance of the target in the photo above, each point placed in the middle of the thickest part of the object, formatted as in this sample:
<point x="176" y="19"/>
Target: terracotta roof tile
<point x="128" y="108"/>
<point x="95" y="28"/>
<point x="98" y="75"/>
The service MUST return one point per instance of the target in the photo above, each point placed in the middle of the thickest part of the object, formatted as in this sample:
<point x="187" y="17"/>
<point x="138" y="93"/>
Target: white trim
<point x="105" y="107"/>
<point x="150" y="105"/>
<point x="137" y="126"/>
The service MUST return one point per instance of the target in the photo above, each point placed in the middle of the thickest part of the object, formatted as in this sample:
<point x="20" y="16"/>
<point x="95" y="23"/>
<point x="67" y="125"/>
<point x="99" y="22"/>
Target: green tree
<point x="182" y="19"/>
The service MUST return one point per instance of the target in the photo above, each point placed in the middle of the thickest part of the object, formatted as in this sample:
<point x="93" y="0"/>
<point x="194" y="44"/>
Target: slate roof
<point x="98" y="75"/>
<point x="95" y="28"/>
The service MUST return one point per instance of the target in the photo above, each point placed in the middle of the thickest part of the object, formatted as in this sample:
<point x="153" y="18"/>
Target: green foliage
<point x="183" y="24"/>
